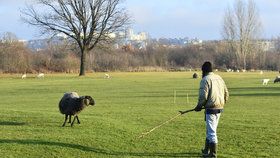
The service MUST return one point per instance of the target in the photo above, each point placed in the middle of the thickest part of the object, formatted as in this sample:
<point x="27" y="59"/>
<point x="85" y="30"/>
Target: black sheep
<point x="195" y="75"/>
<point x="277" y="79"/>
<point x="71" y="105"/>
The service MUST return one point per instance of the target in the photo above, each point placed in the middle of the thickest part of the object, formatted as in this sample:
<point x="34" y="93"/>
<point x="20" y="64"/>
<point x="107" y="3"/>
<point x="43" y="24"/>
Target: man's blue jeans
<point x="212" y="121"/>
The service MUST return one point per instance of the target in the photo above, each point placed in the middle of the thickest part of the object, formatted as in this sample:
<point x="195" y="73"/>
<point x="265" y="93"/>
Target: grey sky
<point x="160" y="18"/>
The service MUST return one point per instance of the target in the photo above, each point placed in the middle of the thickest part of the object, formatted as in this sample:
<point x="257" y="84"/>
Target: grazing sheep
<point x="23" y="76"/>
<point x="229" y="70"/>
<point x="265" y="81"/>
<point x="261" y="72"/>
<point x="195" y="75"/>
<point x="277" y="79"/>
<point x="71" y="105"/>
<point x="40" y="75"/>
<point x="106" y="76"/>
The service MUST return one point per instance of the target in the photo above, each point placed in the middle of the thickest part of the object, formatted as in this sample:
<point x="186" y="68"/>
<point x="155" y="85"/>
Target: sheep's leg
<point x="66" y="117"/>
<point x="78" y="120"/>
<point x="69" y="118"/>
<point x="73" y="121"/>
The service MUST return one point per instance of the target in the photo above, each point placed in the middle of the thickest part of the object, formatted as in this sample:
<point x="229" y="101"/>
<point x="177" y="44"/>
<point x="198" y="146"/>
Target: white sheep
<point x="261" y="72"/>
<point x="40" y="75"/>
<point x="229" y="70"/>
<point x="106" y="76"/>
<point x="23" y="76"/>
<point x="265" y="81"/>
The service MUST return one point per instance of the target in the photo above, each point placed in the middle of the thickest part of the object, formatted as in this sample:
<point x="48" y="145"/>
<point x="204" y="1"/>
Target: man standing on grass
<point x="213" y="94"/>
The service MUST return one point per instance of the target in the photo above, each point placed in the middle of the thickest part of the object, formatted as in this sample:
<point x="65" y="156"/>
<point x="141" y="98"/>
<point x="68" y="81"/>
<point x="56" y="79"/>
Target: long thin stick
<point x="174" y="97"/>
<point x="146" y="133"/>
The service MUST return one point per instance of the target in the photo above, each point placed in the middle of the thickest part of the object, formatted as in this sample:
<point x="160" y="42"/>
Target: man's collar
<point x="209" y="73"/>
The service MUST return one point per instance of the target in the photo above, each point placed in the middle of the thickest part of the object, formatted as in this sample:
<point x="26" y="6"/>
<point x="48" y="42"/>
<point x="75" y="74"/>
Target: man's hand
<point x="197" y="109"/>
<point x="181" y="112"/>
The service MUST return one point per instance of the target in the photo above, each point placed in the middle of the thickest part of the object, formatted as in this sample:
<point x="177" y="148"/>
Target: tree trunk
<point x="244" y="62"/>
<point x="83" y="61"/>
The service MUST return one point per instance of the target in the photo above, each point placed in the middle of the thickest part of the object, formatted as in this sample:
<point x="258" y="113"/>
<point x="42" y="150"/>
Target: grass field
<point x="129" y="104"/>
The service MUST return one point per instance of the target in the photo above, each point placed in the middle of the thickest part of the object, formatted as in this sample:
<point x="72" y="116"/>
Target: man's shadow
<point x="96" y="150"/>
<point x="11" y="123"/>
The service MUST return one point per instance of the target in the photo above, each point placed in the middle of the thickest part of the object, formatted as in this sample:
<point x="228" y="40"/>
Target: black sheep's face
<point x="90" y="100"/>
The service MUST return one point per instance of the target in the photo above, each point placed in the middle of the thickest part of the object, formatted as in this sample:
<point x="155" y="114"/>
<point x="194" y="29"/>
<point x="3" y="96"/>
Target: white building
<point x="141" y="36"/>
<point x="267" y="45"/>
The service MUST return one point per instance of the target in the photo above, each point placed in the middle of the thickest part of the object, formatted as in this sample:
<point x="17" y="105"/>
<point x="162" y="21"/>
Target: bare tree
<point x="241" y="29"/>
<point x="14" y="55"/>
<point x="87" y="22"/>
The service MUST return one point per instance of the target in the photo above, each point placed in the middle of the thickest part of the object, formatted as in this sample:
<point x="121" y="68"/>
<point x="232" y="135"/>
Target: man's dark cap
<point x="207" y="67"/>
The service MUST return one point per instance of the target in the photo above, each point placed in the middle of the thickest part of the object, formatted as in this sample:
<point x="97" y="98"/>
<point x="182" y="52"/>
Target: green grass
<point x="129" y="104"/>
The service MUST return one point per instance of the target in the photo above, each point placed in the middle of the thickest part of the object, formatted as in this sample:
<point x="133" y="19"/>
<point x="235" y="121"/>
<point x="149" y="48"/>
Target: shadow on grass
<point x="9" y="123"/>
<point x="98" y="151"/>
<point x="256" y="95"/>
<point x="255" y="91"/>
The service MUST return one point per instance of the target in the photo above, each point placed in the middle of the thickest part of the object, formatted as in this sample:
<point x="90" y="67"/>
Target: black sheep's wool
<point x="71" y="105"/>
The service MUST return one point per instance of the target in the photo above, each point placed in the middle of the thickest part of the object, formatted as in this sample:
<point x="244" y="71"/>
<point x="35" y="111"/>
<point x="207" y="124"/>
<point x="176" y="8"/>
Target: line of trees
<point x="15" y="57"/>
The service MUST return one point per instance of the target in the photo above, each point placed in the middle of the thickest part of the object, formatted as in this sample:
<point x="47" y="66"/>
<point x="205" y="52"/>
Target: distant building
<point x="130" y="40"/>
<point x="141" y="36"/>
<point x="267" y="45"/>
<point x="178" y="42"/>
<point x="196" y="41"/>
<point x="62" y="35"/>
<point x="127" y="39"/>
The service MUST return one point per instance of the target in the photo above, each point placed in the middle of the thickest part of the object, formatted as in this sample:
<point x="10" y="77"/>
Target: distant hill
<point x="40" y="44"/>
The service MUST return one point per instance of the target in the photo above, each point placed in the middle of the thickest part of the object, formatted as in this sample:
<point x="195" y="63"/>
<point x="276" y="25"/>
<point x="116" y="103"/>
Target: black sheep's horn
<point x="91" y="100"/>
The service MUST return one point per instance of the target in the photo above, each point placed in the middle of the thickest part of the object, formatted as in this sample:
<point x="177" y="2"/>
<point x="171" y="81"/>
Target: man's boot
<point x="205" y="151"/>
<point x="213" y="150"/>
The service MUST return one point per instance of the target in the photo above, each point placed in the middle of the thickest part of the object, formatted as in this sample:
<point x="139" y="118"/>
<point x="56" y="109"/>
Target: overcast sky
<point x="160" y="18"/>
